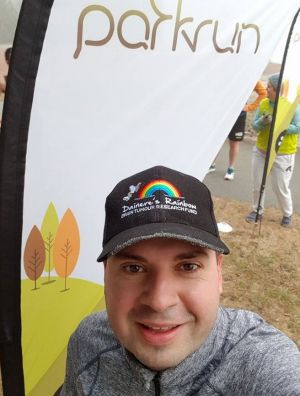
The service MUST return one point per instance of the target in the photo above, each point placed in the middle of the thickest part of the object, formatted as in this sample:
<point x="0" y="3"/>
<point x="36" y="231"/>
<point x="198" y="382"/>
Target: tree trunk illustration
<point x="66" y="251"/>
<point x="48" y="230"/>
<point x="66" y="247"/>
<point x="48" y="246"/>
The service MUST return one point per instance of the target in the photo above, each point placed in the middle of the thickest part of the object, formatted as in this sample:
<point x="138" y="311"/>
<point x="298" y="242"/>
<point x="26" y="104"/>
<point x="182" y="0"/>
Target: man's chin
<point x="159" y="358"/>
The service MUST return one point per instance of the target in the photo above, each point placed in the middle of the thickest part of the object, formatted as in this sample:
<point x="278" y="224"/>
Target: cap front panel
<point x="167" y="198"/>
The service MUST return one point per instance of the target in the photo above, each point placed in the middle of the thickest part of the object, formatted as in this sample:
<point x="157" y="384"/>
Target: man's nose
<point x="160" y="293"/>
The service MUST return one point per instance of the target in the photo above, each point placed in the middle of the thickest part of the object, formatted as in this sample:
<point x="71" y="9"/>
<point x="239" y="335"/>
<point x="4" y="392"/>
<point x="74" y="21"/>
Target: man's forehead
<point x="155" y="246"/>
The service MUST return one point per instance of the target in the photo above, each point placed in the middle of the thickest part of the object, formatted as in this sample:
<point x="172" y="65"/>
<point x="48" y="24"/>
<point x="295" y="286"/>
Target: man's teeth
<point x="164" y="328"/>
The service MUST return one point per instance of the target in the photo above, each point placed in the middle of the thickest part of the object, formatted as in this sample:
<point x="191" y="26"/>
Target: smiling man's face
<point x="162" y="298"/>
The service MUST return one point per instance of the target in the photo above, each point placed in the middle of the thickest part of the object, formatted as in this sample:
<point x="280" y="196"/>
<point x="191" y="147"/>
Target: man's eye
<point x="133" y="268"/>
<point x="189" y="267"/>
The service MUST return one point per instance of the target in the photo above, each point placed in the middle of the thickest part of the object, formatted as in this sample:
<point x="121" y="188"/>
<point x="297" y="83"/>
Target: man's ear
<point x="219" y="269"/>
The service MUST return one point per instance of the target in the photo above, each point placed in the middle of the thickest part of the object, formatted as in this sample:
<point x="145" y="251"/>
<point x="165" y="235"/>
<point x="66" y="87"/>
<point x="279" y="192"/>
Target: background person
<point x="164" y="331"/>
<point x="237" y="132"/>
<point x="3" y="80"/>
<point x="7" y="55"/>
<point x="283" y="166"/>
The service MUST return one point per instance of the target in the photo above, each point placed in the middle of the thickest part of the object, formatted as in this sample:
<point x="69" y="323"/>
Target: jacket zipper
<point x="157" y="384"/>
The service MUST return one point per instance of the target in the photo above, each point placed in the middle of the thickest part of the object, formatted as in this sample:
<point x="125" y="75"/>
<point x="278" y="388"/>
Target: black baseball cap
<point x="160" y="203"/>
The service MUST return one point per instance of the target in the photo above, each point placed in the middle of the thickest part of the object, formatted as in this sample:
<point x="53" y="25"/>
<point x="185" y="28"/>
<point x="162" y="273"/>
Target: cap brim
<point x="166" y="230"/>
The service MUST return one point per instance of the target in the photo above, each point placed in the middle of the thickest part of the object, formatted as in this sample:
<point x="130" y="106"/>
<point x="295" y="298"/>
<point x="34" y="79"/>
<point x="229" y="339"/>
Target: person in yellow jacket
<point x="283" y="166"/>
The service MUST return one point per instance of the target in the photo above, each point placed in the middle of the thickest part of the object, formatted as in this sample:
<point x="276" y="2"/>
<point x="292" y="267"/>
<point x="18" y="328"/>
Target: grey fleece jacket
<point x="242" y="356"/>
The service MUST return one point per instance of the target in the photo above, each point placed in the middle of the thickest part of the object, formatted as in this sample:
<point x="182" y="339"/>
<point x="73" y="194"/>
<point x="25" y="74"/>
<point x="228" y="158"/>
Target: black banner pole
<point x="27" y="48"/>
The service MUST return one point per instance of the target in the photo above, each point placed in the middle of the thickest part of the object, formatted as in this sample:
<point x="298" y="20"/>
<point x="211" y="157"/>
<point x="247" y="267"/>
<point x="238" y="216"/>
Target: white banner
<point x="291" y="76"/>
<point x="113" y="110"/>
<point x="122" y="86"/>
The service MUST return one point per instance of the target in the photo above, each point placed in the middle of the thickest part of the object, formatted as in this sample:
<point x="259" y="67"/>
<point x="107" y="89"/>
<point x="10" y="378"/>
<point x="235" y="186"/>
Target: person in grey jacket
<point x="164" y="332"/>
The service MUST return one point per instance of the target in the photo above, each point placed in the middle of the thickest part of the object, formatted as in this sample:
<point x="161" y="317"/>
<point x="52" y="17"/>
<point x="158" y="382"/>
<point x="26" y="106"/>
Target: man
<point x="164" y="332"/>
<point x="283" y="166"/>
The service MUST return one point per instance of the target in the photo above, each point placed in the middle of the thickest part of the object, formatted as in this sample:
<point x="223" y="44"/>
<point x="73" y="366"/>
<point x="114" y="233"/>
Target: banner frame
<point x="27" y="48"/>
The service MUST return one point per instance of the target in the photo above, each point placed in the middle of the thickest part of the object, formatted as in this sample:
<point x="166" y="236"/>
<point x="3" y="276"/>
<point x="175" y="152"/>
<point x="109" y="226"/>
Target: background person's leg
<point x="235" y="136"/>
<point x="234" y="148"/>
<point x="281" y="175"/>
<point x="257" y="168"/>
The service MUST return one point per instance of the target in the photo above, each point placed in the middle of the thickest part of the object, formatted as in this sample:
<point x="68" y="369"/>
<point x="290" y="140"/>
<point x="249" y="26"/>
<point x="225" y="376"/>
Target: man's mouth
<point x="159" y="335"/>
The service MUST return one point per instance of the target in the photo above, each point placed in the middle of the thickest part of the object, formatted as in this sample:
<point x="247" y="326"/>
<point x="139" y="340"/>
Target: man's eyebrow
<point x="191" y="255"/>
<point x="129" y="256"/>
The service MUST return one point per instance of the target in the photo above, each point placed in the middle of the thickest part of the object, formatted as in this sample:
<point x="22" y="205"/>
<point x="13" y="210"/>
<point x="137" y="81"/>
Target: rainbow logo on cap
<point x="159" y="185"/>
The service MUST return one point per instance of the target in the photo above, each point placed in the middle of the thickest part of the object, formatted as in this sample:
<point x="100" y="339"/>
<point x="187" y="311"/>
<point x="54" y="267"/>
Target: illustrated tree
<point x="66" y="246"/>
<point x="48" y="229"/>
<point x="34" y="255"/>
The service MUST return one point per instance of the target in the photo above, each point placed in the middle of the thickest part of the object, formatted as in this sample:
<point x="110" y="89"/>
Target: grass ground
<point x="262" y="273"/>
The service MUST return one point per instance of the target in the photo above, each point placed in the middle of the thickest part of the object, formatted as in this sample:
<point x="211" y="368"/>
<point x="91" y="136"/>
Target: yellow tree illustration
<point x="66" y="246"/>
<point x="34" y="255"/>
<point x="48" y="230"/>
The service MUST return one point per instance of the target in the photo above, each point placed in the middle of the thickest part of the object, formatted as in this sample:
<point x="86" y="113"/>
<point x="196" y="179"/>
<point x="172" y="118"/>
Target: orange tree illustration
<point x="48" y="230"/>
<point x="34" y="255"/>
<point x="66" y="246"/>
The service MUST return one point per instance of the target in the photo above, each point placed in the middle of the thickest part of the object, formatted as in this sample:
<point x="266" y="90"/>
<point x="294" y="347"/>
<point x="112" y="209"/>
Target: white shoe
<point x="229" y="174"/>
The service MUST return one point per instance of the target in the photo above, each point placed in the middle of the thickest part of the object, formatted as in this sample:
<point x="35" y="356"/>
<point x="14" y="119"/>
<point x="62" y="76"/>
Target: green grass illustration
<point x="48" y="319"/>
